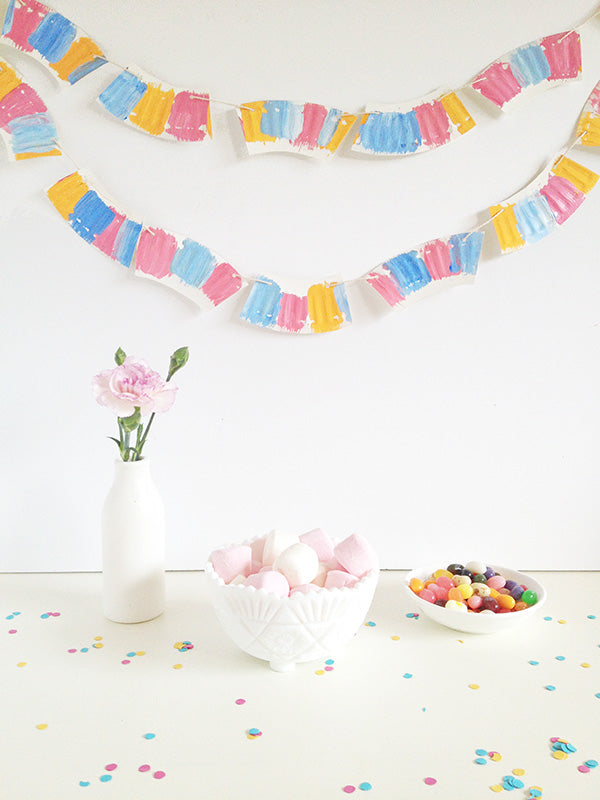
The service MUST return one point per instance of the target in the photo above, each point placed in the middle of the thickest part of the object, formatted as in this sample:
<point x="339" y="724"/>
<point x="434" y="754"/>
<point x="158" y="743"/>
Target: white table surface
<point x="365" y="720"/>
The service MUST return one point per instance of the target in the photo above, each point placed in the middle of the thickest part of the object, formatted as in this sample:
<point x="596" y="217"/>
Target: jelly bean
<point x="517" y="592"/>
<point x="467" y="573"/>
<point x="474" y="602"/>
<point x="481" y="589"/>
<point x="496" y="582"/>
<point x="465" y="590"/>
<point x="489" y="573"/>
<point x="455" y="594"/>
<point x="476" y="567"/>
<point x="416" y="585"/>
<point x="439" y="591"/>
<point x="456" y="605"/>
<point x="426" y="594"/>
<point x="441" y="603"/>
<point x="529" y="597"/>
<point x="506" y="601"/>
<point x="460" y="580"/>
<point x="510" y="585"/>
<point x="520" y="606"/>
<point x="479" y="578"/>
<point x="493" y="592"/>
<point x="454" y="568"/>
<point x="445" y="582"/>
<point x="489" y="604"/>
<point x="442" y="572"/>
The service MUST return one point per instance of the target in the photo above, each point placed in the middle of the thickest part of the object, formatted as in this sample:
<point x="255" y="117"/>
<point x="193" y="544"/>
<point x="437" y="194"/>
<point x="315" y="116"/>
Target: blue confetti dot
<point x="480" y="761"/>
<point x="84" y="783"/>
<point x="535" y="793"/>
<point x="130" y="655"/>
<point x="254" y="731"/>
<point x="11" y="616"/>
<point x="329" y="662"/>
<point x="44" y="616"/>
<point x="481" y="752"/>
<point x="591" y="616"/>
<point x="105" y="778"/>
<point x="84" y="649"/>
<point x="550" y="687"/>
<point x="534" y="663"/>
<point x="547" y="619"/>
<point x="591" y="763"/>
<point x="371" y="624"/>
<point x="365" y="786"/>
<point x="560" y="658"/>
<point x="407" y="675"/>
<point x="149" y="735"/>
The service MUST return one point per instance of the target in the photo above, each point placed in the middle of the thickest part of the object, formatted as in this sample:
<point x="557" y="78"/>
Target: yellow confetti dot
<point x="177" y="666"/>
<point x="474" y="686"/>
<point x="496" y="757"/>
<point x="97" y="638"/>
<point x="518" y="771"/>
<point x="141" y="653"/>
<point x="395" y="638"/>
<point x="320" y="672"/>
<point x="562" y="621"/>
<point x="560" y="754"/>
<point x="585" y="664"/>
<point x="22" y="664"/>
<point x="496" y="787"/>
<point x="42" y="726"/>
<point x="461" y="641"/>
<point x="537" y="788"/>
<point x="98" y="645"/>
<point x="178" y="645"/>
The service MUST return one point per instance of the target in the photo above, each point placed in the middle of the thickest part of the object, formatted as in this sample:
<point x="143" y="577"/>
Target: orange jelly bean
<point x="506" y="601"/>
<point x="519" y="606"/>
<point x="416" y="585"/>
<point x="455" y="594"/>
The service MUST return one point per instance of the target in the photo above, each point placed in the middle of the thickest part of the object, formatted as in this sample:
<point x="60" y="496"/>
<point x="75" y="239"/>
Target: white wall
<point x="464" y="425"/>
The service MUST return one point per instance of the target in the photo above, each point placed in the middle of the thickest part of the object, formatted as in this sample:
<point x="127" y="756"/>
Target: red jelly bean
<point x="489" y="604"/>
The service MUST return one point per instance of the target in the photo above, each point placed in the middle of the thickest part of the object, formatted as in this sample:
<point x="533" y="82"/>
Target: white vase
<point x="133" y="545"/>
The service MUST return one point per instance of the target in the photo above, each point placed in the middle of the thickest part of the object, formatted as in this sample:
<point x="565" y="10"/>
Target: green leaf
<point x="178" y="360"/>
<point x="130" y="424"/>
<point x="120" y="357"/>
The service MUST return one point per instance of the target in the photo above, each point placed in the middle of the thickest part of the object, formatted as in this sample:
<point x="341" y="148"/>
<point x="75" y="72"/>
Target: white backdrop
<point x="465" y="425"/>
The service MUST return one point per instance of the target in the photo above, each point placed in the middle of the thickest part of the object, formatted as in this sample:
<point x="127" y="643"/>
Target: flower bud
<point x="120" y="357"/>
<point x="178" y="360"/>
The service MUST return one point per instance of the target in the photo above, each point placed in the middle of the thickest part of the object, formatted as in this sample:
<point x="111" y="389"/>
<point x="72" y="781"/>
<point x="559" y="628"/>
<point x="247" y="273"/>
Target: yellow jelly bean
<point x="439" y="572"/>
<point x="465" y="590"/>
<point x="494" y="592"/>
<point x="506" y="601"/>
<point x="416" y="585"/>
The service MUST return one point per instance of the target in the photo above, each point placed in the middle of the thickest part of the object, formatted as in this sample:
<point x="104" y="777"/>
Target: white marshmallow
<point x="298" y="563"/>
<point x="275" y="543"/>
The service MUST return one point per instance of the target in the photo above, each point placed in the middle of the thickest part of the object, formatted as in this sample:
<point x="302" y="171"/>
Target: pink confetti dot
<point x="429" y="781"/>
<point x="328" y="669"/>
<point x="349" y="789"/>
<point x="144" y="768"/>
<point x="13" y="630"/>
<point x="583" y="768"/>
<point x="240" y="701"/>
<point x="110" y="767"/>
<point x="72" y="650"/>
<point x="159" y="774"/>
<point x="126" y="661"/>
<point x="55" y="613"/>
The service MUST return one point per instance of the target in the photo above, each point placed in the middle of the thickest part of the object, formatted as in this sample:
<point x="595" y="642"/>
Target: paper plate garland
<point x="52" y="39"/>
<point x="25" y="124"/>
<point x="158" y="108"/>
<point x="538" y="65"/>
<point x="588" y="127"/>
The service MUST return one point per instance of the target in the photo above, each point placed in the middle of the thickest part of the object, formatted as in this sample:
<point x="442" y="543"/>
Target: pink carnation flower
<point x="133" y="384"/>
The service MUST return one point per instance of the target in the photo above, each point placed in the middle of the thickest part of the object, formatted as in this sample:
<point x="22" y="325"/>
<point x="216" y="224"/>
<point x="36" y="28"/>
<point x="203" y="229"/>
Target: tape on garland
<point x="158" y="108"/>
<point x="438" y="262"/>
<point x="549" y="201"/>
<point x="588" y="126"/>
<point x="279" y="125"/>
<point x="406" y="128"/>
<point x="537" y="65"/>
<point x="179" y="263"/>
<point x="25" y="124"/>
<point x="52" y="39"/>
<point x="320" y="308"/>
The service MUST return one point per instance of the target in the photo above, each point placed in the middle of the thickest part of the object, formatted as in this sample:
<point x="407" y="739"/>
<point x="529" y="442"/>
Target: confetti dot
<point x="585" y="664"/>
<point x="597" y="694"/>
<point x="474" y="686"/>
<point x="44" y="616"/>
<point x="481" y="752"/>
<point x="144" y="768"/>
<point x="550" y="688"/>
<point x="429" y="781"/>
<point x="141" y="653"/>
<point x="105" y="778"/>
<point x="97" y="645"/>
<point x="583" y="768"/>
<point x="370" y="624"/>
<point x="13" y="630"/>
<point x="42" y="726"/>
<point x="395" y="638"/>
<point x="177" y="666"/>
<point x="84" y="783"/>
<point x="496" y="787"/>
<point x="407" y="675"/>
<point x="10" y="616"/>
<point x="159" y="774"/>
<point x="84" y="649"/>
<point x="365" y="786"/>
<point x="22" y="664"/>
<point x="562" y="621"/>
<point x="547" y="619"/>
<point x="560" y="658"/>
<point x="349" y="789"/>
<point x="254" y="731"/>
<point x="495" y="756"/>
<point x="480" y="761"/>
<point x="72" y="650"/>
<point x="534" y="663"/>
<point x="591" y="762"/>
<point x="461" y="641"/>
<point x="329" y="662"/>
<point x="97" y="638"/>
<point x="149" y="735"/>
<point x="126" y="661"/>
<point x="110" y="767"/>
<point x="518" y="771"/>
<point x="560" y="755"/>
<point x="591" y="616"/>
<point x="320" y="672"/>
<point x="328" y="669"/>
<point x="131" y="655"/>
<point x="240" y="701"/>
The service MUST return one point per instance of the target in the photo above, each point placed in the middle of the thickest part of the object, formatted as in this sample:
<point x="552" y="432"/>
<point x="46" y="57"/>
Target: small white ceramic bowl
<point x="286" y="631"/>
<point x="473" y="622"/>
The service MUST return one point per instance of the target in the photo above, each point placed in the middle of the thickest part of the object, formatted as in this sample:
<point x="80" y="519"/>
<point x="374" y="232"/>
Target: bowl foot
<point x="282" y="666"/>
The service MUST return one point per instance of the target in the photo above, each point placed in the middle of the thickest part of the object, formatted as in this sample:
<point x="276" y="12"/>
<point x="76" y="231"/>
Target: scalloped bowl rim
<point x="477" y="623"/>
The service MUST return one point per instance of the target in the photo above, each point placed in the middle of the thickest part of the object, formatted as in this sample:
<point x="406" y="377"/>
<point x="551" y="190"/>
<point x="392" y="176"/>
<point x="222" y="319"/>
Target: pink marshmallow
<point x="320" y="542"/>
<point x="356" y="555"/>
<point x="232" y="561"/>
<point x="271" y="582"/>
<point x="337" y="579"/>
<point x="305" y="588"/>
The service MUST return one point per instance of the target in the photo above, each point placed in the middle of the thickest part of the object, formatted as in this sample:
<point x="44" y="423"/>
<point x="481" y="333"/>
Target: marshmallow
<point x="275" y="543"/>
<point x="271" y="582"/>
<point x="298" y="563"/>
<point x="258" y="546"/>
<point x="320" y="542"/>
<point x="337" y="579"/>
<point x="319" y="579"/>
<point x="355" y="555"/>
<point x="305" y="588"/>
<point x="231" y="561"/>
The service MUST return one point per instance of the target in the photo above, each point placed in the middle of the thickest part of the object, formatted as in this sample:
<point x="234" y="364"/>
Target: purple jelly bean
<point x="510" y="585"/>
<point x="516" y="592"/>
<point x="489" y="573"/>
